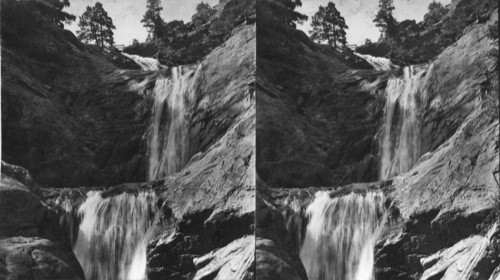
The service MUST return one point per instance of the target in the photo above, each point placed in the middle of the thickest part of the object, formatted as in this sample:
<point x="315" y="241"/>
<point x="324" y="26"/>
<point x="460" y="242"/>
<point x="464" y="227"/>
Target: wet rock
<point x="277" y="248"/>
<point x="496" y="274"/>
<point x="461" y="261"/>
<point x="273" y="263"/>
<point x="37" y="259"/>
<point x="234" y="261"/>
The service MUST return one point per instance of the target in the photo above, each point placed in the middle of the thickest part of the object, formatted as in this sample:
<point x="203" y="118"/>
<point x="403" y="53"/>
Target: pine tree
<point x="203" y="14"/>
<point x="53" y="10"/>
<point x="281" y="11"/>
<point x="384" y="19"/>
<point x="152" y="19"/>
<point x="95" y="25"/>
<point x="435" y="13"/>
<point x="328" y="25"/>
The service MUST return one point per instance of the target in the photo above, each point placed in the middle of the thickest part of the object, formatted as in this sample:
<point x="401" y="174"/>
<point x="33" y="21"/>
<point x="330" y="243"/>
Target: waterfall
<point x="399" y="139"/>
<point x="113" y="235"/>
<point x="341" y="236"/>
<point x="379" y="63"/>
<point x="167" y="138"/>
<point x="146" y="63"/>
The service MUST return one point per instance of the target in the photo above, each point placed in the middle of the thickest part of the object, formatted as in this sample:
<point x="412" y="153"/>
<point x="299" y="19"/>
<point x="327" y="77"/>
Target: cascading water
<point x="146" y="63"/>
<point x="341" y="235"/>
<point x="113" y="235"/>
<point x="379" y="63"/>
<point x="168" y="130"/>
<point x="399" y="139"/>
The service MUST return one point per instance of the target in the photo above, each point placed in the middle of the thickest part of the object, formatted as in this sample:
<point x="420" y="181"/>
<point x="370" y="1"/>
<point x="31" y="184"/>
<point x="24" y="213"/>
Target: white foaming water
<point x="399" y="140"/>
<point x="379" y="63"/>
<point x="146" y="63"/>
<point x="167" y="138"/>
<point x="113" y="235"/>
<point x="341" y="236"/>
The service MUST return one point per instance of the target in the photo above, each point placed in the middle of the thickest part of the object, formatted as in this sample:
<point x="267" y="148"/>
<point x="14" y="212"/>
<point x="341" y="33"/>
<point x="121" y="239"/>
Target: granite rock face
<point x="209" y="204"/>
<point x="447" y="199"/>
<point x="451" y="193"/>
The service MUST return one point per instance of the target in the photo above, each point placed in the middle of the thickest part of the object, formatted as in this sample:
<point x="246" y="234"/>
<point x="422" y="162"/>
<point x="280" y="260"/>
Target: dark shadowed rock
<point x="21" y="211"/>
<point x="37" y="259"/>
<point x="22" y="175"/>
<point x="69" y="114"/>
<point x="317" y="117"/>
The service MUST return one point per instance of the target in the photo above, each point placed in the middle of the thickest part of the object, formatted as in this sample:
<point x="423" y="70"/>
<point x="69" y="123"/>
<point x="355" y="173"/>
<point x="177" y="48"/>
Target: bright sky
<point x="359" y="15"/>
<point x="127" y="15"/>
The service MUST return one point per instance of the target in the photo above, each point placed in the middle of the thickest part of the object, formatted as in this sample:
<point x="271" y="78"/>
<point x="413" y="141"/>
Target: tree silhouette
<point x="281" y="11"/>
<point x="328" y="25"/>
<point x="203" y="14"/>
<point x="95" y="25"/>
<point x="384" y="19"/>
<point x="53" y="9"/>
<point x="435" y="13"/>
<point x="152" y="19"/>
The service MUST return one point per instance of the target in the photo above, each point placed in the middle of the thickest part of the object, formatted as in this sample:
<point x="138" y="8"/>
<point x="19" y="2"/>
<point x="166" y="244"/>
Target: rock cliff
<point x="68" y="115"/>
<point x="78" y="118"/>
<point x="318" y="120"/>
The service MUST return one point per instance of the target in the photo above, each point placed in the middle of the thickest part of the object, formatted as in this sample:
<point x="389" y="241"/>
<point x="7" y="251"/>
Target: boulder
<point x="21" y="211"/>
<point x="34" y="258"/>
<point x="461" y="261"/>
<point x="234" y="261"/>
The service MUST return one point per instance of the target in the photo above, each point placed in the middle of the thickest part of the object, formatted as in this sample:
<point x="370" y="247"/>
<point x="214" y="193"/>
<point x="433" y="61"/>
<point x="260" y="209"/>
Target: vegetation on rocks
<point x="177" y="42"/>
<point x="411" y="42"/>
<point x="95" y="25"/>
<point x="328" y="25"/>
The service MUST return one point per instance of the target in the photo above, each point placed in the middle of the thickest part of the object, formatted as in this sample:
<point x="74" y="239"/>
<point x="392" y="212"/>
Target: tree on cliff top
<point x="384" y="19"/>
<point x="152" y="19"/>
<point x="53" y="10"/>
<point x="27" y="13"/>
<point x="95" y="25"/>
<point x="328" y="25"/>
<point x="435" y="13"/>
<point x="203" y="14"/>
<point x="281" y="11"/>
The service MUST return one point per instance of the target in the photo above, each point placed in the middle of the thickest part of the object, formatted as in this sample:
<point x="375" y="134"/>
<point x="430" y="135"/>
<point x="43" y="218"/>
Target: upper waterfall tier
<point x="146" y="63"/>
<point x="400" y="132"/>
<point x="168" y="131"/>
<point x="379" y="63"/>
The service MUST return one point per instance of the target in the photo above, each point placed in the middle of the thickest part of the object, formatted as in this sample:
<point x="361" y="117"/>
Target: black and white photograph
<point x="249" y="140"/>
<point x="128" y="139"/>
<point x="377" y="140"/>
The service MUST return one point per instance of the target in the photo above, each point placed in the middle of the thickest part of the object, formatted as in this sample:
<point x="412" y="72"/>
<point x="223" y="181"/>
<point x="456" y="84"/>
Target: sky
<point x="127" y="15"/>
<point x="359" y="15"/>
